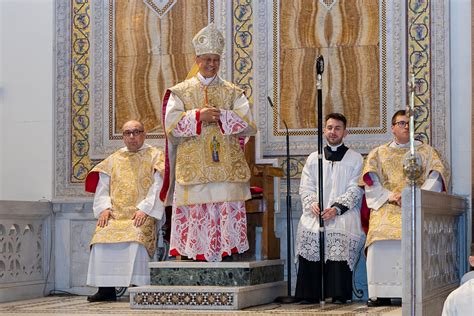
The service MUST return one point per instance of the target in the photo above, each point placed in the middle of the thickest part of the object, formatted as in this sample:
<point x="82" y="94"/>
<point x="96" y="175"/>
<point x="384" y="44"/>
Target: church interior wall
<point x="26" y="148"/>
<point x="461" y="102"/>
<point x="255" y="32"/>
<point x="27" y="96"/>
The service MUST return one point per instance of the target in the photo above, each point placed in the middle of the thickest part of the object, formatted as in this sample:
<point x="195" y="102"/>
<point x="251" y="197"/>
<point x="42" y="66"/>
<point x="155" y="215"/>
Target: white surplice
<point x="343" y="233"/>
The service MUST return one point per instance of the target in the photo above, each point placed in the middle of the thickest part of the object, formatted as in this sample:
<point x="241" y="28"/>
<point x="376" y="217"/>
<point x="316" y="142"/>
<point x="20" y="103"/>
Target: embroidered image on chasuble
<point x="387" y="162"/>
<point x="212" y="156"/>
<point x="131" y="176"/>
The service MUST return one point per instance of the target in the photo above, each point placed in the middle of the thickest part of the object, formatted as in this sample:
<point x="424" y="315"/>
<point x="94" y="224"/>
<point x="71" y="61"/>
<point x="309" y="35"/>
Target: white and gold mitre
<point x="209" y="41"/>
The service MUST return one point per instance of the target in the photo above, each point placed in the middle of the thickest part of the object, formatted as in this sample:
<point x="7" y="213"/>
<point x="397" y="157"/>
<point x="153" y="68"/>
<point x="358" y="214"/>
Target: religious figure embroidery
<point x="215" y="149"/>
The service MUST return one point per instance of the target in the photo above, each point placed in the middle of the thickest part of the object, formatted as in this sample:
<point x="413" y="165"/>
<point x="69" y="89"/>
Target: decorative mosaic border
<point x="428" y="51"/>
<point x="80" y="90"/>
<point x="440" y="78"/>
<point x="243" y="46"/>
<point x="188" y="298"/>
<point x="160" y="11"/>
<point x="419" y="57"/>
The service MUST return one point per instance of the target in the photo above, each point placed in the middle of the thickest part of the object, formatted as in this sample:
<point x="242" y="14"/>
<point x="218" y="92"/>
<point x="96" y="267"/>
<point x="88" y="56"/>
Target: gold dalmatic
<point x="387" y="162"/>
<point x="131" y="176"/>
<point x="211" y="156"/>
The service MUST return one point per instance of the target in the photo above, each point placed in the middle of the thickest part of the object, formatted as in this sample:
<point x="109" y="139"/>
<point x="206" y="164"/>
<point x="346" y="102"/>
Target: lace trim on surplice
<point x="339" y="246"/>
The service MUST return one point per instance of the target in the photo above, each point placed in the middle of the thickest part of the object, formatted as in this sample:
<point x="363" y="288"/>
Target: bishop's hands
<point x="327" y="214"/>
<point x="104" y="217"/>
<point x="209" y="114"/>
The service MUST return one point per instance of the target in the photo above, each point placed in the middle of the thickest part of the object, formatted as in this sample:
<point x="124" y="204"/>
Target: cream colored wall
<point x="461" y="87"/>
<point x="26" y="99"/>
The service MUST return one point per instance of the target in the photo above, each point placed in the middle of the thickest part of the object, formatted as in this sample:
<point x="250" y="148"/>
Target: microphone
<point x="270" y="101"/>
<point x="319" y="72"/>
<point x="286" y="299"/>
<point x="278" y="114"/>
<point x="320" y="65"/>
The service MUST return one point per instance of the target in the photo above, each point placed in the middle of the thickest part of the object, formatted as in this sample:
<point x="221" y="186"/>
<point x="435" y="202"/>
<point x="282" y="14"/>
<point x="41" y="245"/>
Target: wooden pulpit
<point x="260" y="209"/>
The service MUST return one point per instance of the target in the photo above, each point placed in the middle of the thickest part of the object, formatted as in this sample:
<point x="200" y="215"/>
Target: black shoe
<point x="381" y="301"/>
<point x="306" y="301"/>
<point x="338" y="300"/>
<point x="104" y="294"/>
<point x="396" y="301"/>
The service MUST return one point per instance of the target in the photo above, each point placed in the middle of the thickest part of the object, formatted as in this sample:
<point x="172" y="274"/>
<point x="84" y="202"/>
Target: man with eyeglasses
<point x="340" y="211"/>
<point x="208" y="178"/>
<point x="384" y="181"/>
<point x="127" y="205"/>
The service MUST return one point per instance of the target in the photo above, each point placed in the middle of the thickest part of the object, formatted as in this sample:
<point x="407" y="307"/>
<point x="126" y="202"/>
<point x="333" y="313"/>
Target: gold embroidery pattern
<point x="131" y="177"/>
<point x="221" y="94"/>
<point x="387" y="163"/>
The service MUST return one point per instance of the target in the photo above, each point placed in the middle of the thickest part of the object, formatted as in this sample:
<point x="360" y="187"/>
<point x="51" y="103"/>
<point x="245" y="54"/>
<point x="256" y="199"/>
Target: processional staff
<point x="319" y="86"/>
<point x="412" y="169"/>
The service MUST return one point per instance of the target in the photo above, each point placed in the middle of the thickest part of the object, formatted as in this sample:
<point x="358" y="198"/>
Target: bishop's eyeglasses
<point x="135" y="132"/>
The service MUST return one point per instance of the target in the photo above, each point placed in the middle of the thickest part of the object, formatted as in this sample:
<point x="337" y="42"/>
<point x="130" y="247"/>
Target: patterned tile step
<point x="238" y="273"/>
<point x="78" y="305"/>
<point x="205" y="297"/>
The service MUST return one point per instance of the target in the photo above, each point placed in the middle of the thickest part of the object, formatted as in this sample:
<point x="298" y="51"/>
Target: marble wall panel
<point x="308" y="23"/>
<point x="351" y="86"/>
<point x="151" y="53"/>
<point x="81" y="232"/>
<point x="347" y="35"/>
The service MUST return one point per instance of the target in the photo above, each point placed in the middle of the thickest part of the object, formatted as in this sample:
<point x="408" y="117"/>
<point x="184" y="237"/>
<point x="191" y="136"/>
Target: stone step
<point x="233" y="273"/>
<point x="205" y="297"/>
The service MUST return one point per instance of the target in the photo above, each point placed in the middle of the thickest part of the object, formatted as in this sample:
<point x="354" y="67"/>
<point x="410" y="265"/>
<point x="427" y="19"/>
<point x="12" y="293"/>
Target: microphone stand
<point x="287" y="299"/>
<point x="319" y="77"/>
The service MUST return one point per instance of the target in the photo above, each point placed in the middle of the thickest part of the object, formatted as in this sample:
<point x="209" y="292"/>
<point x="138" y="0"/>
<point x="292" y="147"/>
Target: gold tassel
<point x="194" y="70"/>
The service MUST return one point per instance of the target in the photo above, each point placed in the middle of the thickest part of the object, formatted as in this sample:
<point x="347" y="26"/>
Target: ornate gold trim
<point x="419" y="56"/>
<point x="80" y="91"/>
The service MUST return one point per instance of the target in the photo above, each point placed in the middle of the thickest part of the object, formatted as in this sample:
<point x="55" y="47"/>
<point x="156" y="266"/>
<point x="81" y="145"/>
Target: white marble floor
<point x="77" y="305"/>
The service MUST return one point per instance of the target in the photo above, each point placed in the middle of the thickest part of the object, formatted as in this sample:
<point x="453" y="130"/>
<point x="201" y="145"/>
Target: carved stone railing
<point x="26" y="235"/>
<point x="441" y="249"/>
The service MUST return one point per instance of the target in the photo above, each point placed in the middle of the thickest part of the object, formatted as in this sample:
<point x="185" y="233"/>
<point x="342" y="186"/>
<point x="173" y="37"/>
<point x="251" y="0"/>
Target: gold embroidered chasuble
<point x="387" y="162"/>
<point x="131" y="176"/>
<point x="196" y="170"/>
